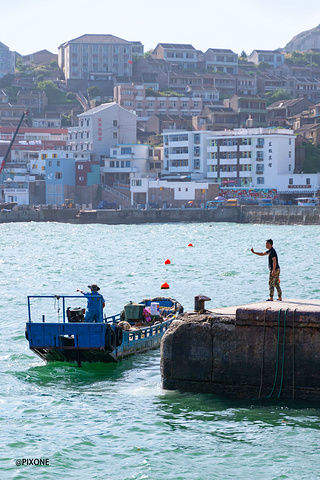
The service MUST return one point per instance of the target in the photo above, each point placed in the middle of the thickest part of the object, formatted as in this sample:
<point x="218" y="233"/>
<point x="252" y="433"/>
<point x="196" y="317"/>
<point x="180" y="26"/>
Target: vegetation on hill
<point x="312" y="159"/>
<point x="279" y="94"/>
<point x="311" y="59"/>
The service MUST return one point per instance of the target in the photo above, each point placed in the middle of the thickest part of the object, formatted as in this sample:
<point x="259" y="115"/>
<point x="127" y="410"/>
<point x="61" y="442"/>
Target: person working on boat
<point x="274" y="280"/>
<point x="95" y="304"/>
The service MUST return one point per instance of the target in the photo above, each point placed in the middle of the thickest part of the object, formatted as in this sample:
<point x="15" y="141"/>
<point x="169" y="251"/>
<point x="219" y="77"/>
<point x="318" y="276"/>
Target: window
<point x="81" y="179"/>
<point x="290" y="181"/>
<point x="115" y="135"/>
<point x="58" y="163"/>
<point x="58" y="175"/>
<point x="136" y="183"/>
<point x="112" y="164"/>
<point x="307" y="181"/>
<point x="125" y="150"/>
<point x="289" y="167"/>
<point x="50" y="163"/>
<point x="114" y="123"/>
<point x="289" y="154"/>
<point x="128" y="164"/>
<point x="260" y="180"/>
<point x="80" y="167"/>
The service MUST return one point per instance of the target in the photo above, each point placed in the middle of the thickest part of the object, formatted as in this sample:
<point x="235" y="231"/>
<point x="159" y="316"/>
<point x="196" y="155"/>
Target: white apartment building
<point x="127" y="160"/>
<point x="275" y="58"/>
<point x="95" y="54"/>
<point x="102" y="128"/>
<point x="7" y="60"/>
<point x="252" y="158"/>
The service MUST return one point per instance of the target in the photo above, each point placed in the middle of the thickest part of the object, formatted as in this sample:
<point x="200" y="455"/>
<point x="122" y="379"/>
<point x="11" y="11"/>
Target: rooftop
<point x="92" y="38"/>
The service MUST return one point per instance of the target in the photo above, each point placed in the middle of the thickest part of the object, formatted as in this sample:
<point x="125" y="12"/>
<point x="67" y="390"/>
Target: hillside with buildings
<point x="109" y="122"/>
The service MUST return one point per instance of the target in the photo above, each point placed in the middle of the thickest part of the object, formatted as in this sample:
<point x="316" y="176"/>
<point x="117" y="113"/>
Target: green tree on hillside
<point x="312" y="159"/>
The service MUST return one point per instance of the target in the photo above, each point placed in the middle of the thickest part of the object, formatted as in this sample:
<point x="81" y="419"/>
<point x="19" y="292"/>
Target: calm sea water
<point x="115" y="421"/>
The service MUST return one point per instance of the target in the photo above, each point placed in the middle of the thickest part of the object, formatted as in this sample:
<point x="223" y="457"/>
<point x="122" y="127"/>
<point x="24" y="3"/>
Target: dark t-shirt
<point x="271" y="255"/>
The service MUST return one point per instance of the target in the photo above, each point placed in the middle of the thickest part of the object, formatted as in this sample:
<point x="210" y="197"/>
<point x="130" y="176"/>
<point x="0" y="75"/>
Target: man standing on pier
<point x="274" y="280"/>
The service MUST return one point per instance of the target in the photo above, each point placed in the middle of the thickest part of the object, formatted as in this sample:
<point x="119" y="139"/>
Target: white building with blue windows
<point x="242" y="158"/>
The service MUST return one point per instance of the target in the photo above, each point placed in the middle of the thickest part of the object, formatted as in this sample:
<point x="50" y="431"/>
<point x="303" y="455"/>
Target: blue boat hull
<point x="86" y="342"/>
<point x="74" y="340"/>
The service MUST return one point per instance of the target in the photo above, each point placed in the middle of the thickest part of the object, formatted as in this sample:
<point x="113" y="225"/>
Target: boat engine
<point x="75" y="314"/>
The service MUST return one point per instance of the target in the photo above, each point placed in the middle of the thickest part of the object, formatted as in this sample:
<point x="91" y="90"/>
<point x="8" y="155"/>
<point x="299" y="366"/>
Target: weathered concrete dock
<point x="275" y="215"/>
<point x="261" y="350"/>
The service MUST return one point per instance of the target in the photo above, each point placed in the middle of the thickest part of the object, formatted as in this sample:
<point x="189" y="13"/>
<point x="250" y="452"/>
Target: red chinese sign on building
<point x="99" y="129"/>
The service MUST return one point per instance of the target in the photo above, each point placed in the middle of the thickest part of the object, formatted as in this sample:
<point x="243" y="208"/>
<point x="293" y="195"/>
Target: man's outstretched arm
<point x="261" y="254"/>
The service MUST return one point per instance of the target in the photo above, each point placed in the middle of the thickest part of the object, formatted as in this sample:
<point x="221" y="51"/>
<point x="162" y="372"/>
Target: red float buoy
<point x="165" y="286"/>
<point x="190" y="245"/>
<point x="167" y="262"/>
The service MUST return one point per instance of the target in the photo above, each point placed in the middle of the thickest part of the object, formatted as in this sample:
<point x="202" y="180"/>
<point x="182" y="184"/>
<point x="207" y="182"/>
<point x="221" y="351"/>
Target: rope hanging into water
<point x="283" y="345"/>
<point x="293" y="353"/>
<point x="263" y="349"/>
<point x="277" y="362"/>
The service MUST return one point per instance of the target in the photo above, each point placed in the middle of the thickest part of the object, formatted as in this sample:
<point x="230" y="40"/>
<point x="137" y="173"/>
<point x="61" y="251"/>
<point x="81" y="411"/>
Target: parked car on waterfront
<point x="265" y="202"/>
<point x="307" y="201"/>
<point x="110" y="205"/>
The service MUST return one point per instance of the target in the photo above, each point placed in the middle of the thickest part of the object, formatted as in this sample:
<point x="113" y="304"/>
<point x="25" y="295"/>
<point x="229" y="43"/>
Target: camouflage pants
<point x="274" y="281"/>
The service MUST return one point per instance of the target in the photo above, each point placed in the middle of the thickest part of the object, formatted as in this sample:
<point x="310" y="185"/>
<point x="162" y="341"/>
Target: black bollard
<point x="199" y="302"/>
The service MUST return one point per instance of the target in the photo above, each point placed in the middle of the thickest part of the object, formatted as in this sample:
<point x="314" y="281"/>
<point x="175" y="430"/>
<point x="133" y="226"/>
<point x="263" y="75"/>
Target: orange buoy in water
<point x="165" y="286"/>
<point x="190" y="245"/>
<point x="167" y="262"/>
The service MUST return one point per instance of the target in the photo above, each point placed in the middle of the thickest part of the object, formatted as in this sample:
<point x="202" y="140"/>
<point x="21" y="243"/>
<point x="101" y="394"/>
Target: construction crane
<point x="12" y="141"/>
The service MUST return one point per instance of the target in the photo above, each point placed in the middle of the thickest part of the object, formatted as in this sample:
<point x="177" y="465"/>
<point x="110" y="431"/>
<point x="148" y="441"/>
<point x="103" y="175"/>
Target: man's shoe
<point x="269" y="300"/>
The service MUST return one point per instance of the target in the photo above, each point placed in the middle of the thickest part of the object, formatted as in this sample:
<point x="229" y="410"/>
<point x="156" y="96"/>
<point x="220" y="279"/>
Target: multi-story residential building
<point x="275" y="58"/>
<point x="146" y="104"/>
<point x="7" y="60"/>
<point x="183" y="153"/>
<point x="124" y="161"/>
<point x="32" y="100"/>
<point x="46" y="120"/>
<point x="156" y="124"/>
<point x="268" y="83"/>
<point x="60" y="171"/>
<point x="183" y="55"/>
<point x="101" y="128"/>
<point x="249" y="107"/>
<point x="87" y="173"/>
<point x="10" y="114"/>
<point x="208" y="94"/>
<point x="39" y="138"/>
<point x="225" y="83"/>
<point x="137" y="49"/>
<point x="281" y="113"/>
<point x="220" y="60"/>
<point x="252" y="158"/>
<point x="216" y="117"/>
<point x="25" y="190"/>
<point x="42" y="57"/>
<point x="94" y="54"/>
<point x="306" y="87"/>
<point x="246" y="84"/>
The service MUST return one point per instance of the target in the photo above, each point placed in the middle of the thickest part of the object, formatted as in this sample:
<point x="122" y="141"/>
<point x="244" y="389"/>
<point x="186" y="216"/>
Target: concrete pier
<point x="260" y="350"/>
<point x="277" y="215"/>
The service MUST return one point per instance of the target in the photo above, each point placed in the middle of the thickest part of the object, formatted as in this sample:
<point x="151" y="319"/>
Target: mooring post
<point x="199" y="302"/>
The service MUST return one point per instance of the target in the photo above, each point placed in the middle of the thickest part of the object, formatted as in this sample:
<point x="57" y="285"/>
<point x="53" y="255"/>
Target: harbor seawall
<point x="278" y="215"/>
<point x="252" y="352"/>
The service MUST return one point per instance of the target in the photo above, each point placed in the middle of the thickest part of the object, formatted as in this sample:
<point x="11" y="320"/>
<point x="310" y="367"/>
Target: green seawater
<point x="115" y="421"/>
